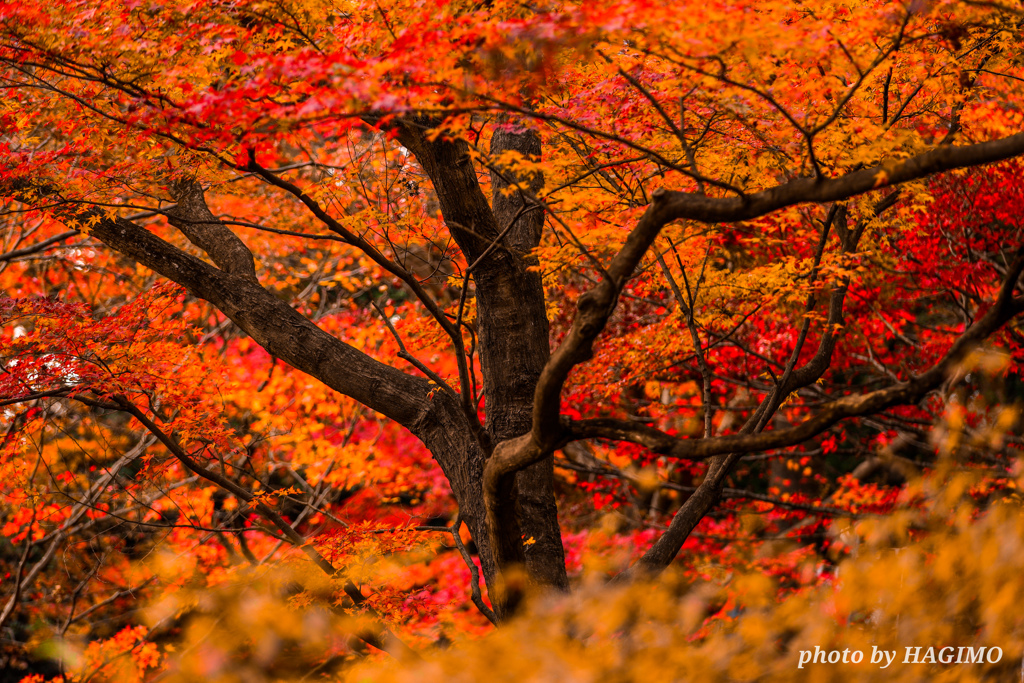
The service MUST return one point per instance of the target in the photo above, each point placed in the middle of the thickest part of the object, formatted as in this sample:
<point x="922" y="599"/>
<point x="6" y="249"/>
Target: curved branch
<point x="850" y="406"/>
<point x="474" y="573"/>
<point x="596" y="306"/>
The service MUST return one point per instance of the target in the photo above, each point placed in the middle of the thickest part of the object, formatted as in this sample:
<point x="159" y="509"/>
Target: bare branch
<point x="38" y="247"/>
<point x="474" y="573"/>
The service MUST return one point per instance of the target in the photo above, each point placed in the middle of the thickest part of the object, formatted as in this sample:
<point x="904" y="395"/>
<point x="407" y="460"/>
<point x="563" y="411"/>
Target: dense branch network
<point x="595" y="308"/>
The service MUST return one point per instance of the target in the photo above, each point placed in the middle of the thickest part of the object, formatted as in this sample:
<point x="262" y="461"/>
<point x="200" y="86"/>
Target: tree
<point x="663" y="246"/>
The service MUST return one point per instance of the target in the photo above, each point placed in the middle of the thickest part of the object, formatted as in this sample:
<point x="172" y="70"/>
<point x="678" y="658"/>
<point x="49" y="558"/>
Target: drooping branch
<point x="474" y="573"/>
<point x="404" y="354"/>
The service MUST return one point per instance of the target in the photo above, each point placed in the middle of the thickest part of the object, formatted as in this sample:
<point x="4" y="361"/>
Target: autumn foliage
<point x="441" y="340"/>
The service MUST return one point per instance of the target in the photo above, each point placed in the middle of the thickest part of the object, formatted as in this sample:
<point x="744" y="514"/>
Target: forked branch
<point x="594" y="308"/>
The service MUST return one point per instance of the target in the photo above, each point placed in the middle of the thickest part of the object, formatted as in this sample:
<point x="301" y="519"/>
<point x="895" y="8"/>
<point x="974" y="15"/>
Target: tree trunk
<point x="514" y="370"/>
<point x="511" y="323"/>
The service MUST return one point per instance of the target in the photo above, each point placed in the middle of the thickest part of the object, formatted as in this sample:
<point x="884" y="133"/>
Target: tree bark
<point x="513" y="401"/>
<point x="511" y="324"/>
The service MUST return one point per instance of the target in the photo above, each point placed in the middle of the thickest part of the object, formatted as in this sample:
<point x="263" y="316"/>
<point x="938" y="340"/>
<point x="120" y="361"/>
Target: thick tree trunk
<point x="437" y="421"/>
<point x="511" y="324"/>
<point x="514" y="372"/>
